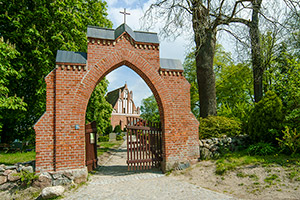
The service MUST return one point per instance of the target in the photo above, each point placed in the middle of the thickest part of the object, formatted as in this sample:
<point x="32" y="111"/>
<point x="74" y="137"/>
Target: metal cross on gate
<point x="124" y="13"/>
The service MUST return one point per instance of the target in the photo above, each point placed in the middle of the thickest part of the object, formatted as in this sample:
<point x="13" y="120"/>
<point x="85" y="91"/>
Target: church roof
<point x="113" y="96"/>
<point x="112" y="34"/>
<point x="71" y="57"/>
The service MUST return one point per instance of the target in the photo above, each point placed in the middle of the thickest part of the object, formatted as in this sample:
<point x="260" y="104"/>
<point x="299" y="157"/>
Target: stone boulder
<point x="27" y="169"/>
<point x="205" y="153"/>
<point x="43" y="181"/>
<point x="6" y="172"/>
<point x="52" y="192"/>
<point x="2" y="169"/>
<point x="8" y="186"/>
<point x="78" y="176"/>
<point x="3" y="179"/>
<point x="14" y="176"/>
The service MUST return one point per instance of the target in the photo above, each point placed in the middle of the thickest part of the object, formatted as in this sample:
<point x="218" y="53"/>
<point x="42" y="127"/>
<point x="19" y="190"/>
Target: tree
<point x="7" y="102"/>
<point x="38" y="29"/>
<point x="99" y="109"/>
<point x="206" y="17"/>
<point x="233" y="85"/>
<point x="149" y="109"/>
<point x="222" y="64"/>
<point x="293" y="22"/>
<point x="284" y="81"/>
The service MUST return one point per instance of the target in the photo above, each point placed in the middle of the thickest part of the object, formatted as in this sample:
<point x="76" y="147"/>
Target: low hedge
<point x="103" y="138"/>
<point x="217" y="126"/>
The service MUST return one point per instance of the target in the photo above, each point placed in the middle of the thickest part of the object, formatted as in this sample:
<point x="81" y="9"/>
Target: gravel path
<point x="113" y="181"/>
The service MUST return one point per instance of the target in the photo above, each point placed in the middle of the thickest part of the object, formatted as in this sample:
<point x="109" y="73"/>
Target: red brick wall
<point x="59" y="146"/>
<point x="115" y="120"/>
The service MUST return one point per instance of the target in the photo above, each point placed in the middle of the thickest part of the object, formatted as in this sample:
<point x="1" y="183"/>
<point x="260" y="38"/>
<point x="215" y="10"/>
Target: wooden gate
<point x="91" y="146"/>
<point x="144" y="144"/>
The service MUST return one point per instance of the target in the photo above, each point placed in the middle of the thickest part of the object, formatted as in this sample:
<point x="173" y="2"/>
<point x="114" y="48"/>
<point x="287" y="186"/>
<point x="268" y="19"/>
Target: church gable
<point x="122" y="102"/>
<point x="113" y="96"/>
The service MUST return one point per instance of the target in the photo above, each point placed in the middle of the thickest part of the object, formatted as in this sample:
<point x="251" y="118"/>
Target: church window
<point x="120" y="106"/>
<point x="130" y="107"/>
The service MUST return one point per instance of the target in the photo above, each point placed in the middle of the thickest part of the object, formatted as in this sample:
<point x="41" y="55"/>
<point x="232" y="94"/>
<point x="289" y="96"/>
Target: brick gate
<point x="60" y="132"/>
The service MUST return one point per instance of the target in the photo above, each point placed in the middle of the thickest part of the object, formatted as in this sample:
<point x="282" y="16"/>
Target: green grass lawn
<point x="231" y="161"/>
<point x="106" y="146"/>
<point x="13" y="158"/>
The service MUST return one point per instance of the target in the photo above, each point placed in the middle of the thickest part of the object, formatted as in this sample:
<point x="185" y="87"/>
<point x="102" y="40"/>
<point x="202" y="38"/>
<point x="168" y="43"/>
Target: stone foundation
<point x="65" y="177"/>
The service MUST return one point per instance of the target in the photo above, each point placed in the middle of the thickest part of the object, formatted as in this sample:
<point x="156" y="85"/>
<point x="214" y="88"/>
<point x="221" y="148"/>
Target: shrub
<point x="118" y="129"/>
<point x="261" y="149"/>
<point x="217" y="126"/>
<point x="119" y="137"/>
<point x="27" y="178"/>
<point x="290" y="141"/>
<point x="240" y="111"/>
<point x="265" y="119"/>
<point x="108" y="129"/>
<point x="103" y="138"/>
<point x="292" y="119"/>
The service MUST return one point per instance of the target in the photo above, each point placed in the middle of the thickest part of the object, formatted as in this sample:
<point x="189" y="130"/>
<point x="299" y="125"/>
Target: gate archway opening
<point x="143" y="131"/>
<point x="60" y="140"/>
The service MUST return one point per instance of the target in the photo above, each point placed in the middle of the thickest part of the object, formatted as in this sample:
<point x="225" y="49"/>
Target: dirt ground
<point x="247" y="182"/>
<point x="104" y="158"/>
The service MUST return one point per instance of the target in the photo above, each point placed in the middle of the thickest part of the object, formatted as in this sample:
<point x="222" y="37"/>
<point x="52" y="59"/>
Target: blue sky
<point x="175" y="49"/>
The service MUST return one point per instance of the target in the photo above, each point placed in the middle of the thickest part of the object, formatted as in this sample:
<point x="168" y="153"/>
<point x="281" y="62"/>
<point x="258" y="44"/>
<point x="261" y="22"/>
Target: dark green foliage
<point x="261" y="149"/>
<point x="119" y="137"/>
<point x="103" y="138"/>
<point x="266" y="119"/>
<point x="217" y="126"/>
<point x="234" y="85"/>
<point x="293" y="119"/>
<point x="150" y="110"/>
<point x="290" y="142"/>
<point x="8" y="101"/>
<point x="283" y="79"/>
<point x="108" y="130"/>
<point x="117" y="129"/>
<point x="38" y="29"/>
<point x="99" y="109"/>
<point x="239" y="111"/>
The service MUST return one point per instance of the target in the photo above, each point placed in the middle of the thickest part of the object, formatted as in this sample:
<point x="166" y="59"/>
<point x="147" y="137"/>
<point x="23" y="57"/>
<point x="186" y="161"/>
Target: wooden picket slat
<point x="144" y="144"/>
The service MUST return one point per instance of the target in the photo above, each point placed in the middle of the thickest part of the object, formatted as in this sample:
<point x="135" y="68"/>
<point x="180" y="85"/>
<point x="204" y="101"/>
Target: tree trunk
<point x="206" y="75"/>
<point x="205" y="39"/>
<point x="257" y="65"/>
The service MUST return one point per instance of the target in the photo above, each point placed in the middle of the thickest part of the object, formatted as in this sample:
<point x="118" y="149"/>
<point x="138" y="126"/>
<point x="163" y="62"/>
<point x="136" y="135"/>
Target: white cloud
<point x="111" y="2"/>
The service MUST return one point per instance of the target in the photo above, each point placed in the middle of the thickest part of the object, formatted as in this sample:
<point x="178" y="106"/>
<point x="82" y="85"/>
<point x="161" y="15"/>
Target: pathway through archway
<point x="113" y="181"/>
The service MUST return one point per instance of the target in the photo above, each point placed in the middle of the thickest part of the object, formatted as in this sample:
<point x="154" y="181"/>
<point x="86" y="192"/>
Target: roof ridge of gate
<point x="113" y="34"/>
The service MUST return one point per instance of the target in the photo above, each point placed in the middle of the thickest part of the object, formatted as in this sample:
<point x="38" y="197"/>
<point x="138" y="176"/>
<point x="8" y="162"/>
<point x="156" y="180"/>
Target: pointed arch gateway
<point x="60" y="133"/>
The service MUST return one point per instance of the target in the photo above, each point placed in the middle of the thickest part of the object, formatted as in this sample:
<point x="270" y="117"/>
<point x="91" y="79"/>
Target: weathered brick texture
<point x="59" y="146"/>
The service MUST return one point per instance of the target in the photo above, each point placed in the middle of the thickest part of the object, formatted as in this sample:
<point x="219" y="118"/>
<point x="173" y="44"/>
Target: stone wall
<point x="10" y="176"/>
<point x="212" y="148"/>
<point x="66" y="177"/>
